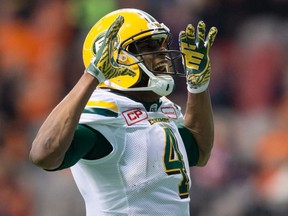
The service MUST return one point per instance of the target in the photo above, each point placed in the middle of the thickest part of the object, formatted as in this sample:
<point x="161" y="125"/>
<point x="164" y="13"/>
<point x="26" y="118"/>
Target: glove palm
<point x="196" y="54"/>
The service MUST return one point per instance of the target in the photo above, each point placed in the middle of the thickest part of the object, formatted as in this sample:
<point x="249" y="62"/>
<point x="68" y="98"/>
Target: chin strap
<point x="162" y="85"/>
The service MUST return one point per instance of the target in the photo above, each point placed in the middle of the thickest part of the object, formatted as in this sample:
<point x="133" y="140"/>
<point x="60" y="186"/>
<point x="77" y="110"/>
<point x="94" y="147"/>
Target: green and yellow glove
<point x="103" y="66"/>
<point x="196" y="56"/>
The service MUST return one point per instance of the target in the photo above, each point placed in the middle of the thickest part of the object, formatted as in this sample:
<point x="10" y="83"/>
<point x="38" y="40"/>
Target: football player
<point x="128" y="146"/>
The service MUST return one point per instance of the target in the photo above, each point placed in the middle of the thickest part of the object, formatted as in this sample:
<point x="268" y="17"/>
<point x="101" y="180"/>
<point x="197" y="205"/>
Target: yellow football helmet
<point x="138" y="26"/>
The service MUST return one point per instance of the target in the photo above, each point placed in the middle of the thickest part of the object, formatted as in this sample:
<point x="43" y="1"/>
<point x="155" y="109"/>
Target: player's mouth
<point x="161" y="67"/>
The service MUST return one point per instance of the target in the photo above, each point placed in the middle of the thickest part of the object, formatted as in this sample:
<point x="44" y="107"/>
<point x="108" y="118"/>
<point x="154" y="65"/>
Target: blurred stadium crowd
<point x="41" y="59"/>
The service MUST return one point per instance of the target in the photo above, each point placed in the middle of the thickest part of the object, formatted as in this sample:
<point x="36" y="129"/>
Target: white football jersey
<point x="147" y="173"/>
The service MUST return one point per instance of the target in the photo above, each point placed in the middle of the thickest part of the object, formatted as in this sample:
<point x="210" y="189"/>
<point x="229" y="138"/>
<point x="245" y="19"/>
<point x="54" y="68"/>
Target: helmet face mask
<point x="155" y="46"/>
<point x="140" y="38"/>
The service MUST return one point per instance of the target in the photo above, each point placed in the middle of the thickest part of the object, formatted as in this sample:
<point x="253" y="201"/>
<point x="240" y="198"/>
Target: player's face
<point x="153" y="54"/>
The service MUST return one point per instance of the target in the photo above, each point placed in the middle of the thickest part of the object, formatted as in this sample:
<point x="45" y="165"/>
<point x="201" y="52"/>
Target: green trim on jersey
<point x="148" y="105"/>
<point x="190" y="145"/>
<point x="100" y="111"/>
<point x="88" y="144"/>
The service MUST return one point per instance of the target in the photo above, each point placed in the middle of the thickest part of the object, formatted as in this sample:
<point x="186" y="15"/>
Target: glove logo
<point x="98" y="43"/>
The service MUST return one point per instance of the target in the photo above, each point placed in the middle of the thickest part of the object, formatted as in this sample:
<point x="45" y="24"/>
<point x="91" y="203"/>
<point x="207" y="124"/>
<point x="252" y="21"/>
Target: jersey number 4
<point x="173" y="162"/>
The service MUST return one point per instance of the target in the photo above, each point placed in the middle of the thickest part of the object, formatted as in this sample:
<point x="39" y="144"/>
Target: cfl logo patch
<point x="169" y="111"/>
<point x="134" y="115"/>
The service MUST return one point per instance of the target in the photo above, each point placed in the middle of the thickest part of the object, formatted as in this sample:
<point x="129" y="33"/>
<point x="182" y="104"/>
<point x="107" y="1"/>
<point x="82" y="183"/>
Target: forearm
<point x="198" y="119"/>
<point x="56" y="133"/>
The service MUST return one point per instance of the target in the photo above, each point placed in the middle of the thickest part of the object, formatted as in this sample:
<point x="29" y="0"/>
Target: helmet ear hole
<point x="122" y="59"/>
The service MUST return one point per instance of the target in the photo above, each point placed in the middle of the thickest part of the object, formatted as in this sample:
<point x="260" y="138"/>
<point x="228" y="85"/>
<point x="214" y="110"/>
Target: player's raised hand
<point x="103" y="66"/>
<point x="196" y="56"/>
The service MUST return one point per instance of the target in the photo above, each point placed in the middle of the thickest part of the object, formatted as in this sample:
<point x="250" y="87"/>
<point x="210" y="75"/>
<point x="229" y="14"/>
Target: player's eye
<point x="148" y="45"/>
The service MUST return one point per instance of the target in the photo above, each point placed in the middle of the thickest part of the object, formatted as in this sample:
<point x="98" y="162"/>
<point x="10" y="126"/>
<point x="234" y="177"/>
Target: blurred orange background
<point x="41" y="60"/>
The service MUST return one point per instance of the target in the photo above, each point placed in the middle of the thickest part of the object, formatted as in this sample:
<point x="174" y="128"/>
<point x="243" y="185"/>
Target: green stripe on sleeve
<point x="100" y="111"/>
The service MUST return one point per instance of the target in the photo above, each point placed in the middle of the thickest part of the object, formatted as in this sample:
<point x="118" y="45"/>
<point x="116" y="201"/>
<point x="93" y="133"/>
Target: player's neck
<point x="141" y="96"/>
